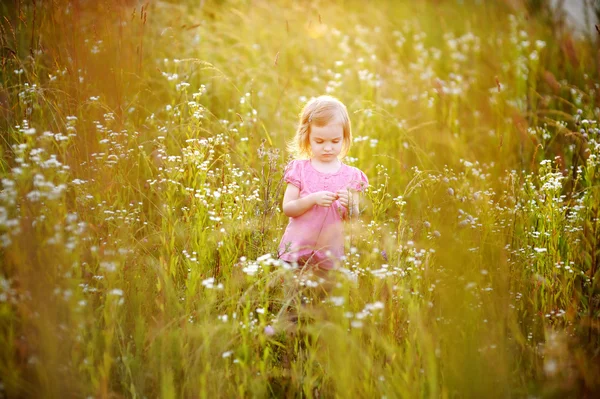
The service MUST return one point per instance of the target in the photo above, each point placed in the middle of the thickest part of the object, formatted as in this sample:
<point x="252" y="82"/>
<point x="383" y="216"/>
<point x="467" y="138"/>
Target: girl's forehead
<point x="331" y="130"/>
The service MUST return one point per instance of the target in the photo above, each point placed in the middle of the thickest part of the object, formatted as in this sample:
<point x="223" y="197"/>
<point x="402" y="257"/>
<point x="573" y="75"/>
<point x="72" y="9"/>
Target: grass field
<point x="143" y="147"/>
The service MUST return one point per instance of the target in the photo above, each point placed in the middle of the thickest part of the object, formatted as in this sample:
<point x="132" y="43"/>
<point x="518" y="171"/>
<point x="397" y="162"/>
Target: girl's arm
<point x="294" y="206"/>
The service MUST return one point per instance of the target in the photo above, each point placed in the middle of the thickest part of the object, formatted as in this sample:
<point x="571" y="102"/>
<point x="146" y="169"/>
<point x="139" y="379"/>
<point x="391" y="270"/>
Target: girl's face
<point x="326" y="141"/>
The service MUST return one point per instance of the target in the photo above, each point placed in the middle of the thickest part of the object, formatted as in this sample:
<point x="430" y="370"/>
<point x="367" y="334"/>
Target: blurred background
<point x="143" y="146"/>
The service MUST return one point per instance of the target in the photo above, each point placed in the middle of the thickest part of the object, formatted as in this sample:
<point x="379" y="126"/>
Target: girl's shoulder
<point x="296" y="163"/>
<point x="359" y="180"/>
<point x="300" y="162"/>
<point x="294" y="172"/>
<point x="352" y="169"/>
<point x="295" y="166"/>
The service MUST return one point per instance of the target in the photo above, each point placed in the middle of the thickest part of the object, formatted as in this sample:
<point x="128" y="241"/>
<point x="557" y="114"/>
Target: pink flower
<point x="269" y="331"/>
<point x="384" y="255"/>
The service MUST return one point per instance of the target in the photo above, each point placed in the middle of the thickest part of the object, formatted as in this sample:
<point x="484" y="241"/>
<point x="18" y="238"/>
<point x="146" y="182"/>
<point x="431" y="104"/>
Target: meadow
<point x="143" y="147"/>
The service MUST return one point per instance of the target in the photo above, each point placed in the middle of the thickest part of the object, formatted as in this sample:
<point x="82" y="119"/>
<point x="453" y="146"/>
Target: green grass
<point x="142" y="156"/>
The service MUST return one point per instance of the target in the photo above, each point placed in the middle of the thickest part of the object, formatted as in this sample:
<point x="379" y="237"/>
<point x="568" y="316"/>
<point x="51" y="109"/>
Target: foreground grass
<point x="141" y="184"/>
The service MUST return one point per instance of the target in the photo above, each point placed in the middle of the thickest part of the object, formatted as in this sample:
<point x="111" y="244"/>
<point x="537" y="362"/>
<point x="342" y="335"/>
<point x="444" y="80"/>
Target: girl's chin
<point x="328" y="159"/>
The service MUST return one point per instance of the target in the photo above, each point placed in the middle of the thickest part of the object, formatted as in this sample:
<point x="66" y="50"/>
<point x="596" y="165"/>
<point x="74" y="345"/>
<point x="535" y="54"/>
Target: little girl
<point x="322" y="191"/>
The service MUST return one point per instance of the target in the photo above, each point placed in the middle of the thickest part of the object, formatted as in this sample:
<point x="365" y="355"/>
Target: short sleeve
<point x="359" y="181"/>
<point x="292" y="173"/>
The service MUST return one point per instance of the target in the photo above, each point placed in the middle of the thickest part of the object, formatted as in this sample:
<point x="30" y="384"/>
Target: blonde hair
<point x="320" y="111"/>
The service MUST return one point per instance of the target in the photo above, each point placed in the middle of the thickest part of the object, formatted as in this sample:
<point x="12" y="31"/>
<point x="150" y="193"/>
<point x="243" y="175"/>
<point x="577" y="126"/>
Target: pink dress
<point x="317" y="236"/>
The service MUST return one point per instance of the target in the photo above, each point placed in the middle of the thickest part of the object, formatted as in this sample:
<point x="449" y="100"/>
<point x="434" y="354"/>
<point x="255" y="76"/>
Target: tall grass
<point x="142" y="154"/>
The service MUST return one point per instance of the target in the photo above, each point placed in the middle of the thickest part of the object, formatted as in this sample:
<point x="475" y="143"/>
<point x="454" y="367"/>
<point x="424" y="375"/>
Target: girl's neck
<point x="326" y="167"/>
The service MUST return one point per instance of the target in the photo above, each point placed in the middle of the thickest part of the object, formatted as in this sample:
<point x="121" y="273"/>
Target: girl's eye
<point x="336" y="141"/>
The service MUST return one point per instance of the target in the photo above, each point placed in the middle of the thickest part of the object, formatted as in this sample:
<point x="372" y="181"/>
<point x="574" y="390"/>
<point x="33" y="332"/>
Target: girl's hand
<point x="324" y="198"/>
<point x="343" y="197"/>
